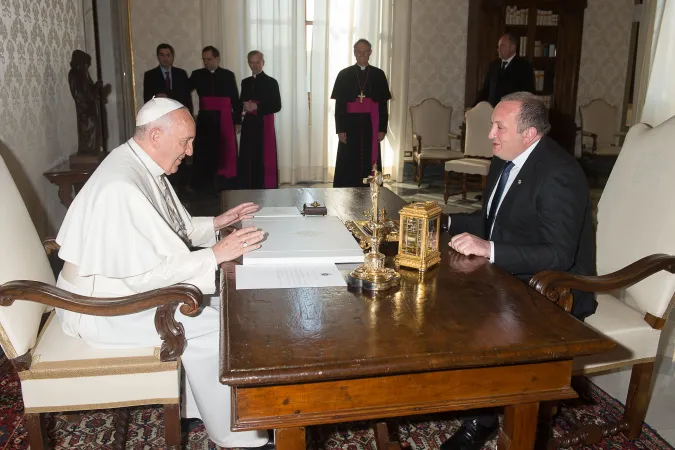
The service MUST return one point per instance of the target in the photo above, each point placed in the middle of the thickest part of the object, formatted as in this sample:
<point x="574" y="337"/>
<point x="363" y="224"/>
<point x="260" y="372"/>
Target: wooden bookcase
<point x="488" y="22"/>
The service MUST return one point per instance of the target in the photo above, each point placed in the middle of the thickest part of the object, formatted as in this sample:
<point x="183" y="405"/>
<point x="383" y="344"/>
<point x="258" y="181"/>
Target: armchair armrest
<point x="556" y="285"/>
<point x="50" y="246"/>
<point x="454" y="136"/>
<point x="165" y="299"/>
<point x="418" y="138"/>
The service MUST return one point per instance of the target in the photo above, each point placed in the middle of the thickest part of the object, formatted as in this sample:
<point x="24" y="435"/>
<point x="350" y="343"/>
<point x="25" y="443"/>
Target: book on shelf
<point x="523" y="46"/>
<point x="546" y="18"/>
<point x="515" y="16"/>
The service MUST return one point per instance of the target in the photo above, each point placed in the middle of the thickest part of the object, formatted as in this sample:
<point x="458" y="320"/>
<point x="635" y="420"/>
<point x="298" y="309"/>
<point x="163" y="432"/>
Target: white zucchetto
<point x="155" y="108"/>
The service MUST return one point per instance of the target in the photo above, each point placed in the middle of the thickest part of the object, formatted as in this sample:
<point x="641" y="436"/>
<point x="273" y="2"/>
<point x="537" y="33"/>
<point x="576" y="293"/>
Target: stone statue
<point x="87" y="96"/>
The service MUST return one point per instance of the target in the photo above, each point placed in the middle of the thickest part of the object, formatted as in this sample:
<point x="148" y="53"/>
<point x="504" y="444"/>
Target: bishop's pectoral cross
<point x="361" y="97"/>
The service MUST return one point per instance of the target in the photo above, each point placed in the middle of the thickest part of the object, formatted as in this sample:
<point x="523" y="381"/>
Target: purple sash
<point x="368" y="107"/>
<point x="269" y="149"/>
<point x="227" y="161"/>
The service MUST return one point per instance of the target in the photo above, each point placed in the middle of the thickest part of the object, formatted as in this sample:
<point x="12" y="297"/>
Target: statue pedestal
<point x="85" y="161"/>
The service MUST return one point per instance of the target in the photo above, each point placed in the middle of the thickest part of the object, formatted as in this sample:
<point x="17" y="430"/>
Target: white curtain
<point x="337" y="25"/>
<point x="276" y="28"/>
<point x="659" y="98"/>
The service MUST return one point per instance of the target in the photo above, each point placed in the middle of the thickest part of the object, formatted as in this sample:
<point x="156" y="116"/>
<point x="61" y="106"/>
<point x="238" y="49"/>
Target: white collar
<point x="363" y="67"/>
<point x="166" y="70"/>
<point x="508" y="61"/>
<point x="519" y="161"/>
<point x="149" y="163"/>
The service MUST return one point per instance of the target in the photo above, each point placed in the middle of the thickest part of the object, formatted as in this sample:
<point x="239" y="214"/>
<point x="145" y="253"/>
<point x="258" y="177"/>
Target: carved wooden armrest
<point x="418" y="138"/>
<point x="165" y="299"/>
<point x="556" y="285"/>
<point x="50" y="246"/>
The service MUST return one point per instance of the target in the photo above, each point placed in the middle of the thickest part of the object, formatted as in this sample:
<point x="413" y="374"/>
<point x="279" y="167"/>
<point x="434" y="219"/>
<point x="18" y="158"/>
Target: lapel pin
<point x="519" y="182"/>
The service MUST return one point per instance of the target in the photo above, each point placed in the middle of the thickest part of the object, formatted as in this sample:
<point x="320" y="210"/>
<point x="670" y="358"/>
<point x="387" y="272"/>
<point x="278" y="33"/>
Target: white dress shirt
<point x="508" y="61"/>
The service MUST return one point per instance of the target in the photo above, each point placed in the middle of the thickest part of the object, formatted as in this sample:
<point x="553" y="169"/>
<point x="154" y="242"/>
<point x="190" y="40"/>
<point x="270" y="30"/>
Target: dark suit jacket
<point x="544" y="222"/>
<point x="153" y="84"/>
<point x="518" y="76"/>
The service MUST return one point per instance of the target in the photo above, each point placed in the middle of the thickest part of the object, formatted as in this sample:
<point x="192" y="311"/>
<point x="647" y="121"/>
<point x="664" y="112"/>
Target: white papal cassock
<point x="118" y="238"/>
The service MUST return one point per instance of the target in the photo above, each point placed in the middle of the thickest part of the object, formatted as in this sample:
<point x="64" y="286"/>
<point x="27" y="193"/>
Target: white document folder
<point x="303" y="240"/>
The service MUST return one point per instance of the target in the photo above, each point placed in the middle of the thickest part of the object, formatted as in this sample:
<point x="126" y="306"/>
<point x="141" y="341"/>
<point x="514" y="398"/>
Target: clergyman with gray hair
<point x="536" y="215"/>
<point x="126" y="232"/>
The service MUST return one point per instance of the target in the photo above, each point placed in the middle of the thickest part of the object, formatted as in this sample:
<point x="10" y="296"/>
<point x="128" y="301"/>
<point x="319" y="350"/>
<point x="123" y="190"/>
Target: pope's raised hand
<point x="237" y="243"/>
<point x="234" y="215"/>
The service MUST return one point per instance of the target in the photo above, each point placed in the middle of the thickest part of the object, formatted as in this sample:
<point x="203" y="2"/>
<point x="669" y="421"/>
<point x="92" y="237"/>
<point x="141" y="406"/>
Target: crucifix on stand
<point x="372" y="275"/>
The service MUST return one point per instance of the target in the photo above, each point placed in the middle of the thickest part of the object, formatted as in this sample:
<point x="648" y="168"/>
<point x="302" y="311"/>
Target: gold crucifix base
<point x="372" y="275"/>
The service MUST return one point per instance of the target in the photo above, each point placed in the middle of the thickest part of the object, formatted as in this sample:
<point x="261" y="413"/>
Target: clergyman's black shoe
<point x="470" y="436"/>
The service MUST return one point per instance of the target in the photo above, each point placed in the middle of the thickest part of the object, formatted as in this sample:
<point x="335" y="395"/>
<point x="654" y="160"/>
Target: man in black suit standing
<point x="166" y="80"/>
<point x="536" y="216"/>
<point x="510" y="73"/>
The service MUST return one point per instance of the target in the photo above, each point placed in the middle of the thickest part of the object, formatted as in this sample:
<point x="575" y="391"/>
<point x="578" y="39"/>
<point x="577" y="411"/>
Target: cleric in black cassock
<point x="219" y="119"/>
<point x="257" y="168"/>
<point x="361" y="93"/>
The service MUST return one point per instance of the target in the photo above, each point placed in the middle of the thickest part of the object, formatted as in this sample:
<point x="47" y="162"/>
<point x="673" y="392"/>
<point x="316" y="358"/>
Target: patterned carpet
<point x="94" y="430"/>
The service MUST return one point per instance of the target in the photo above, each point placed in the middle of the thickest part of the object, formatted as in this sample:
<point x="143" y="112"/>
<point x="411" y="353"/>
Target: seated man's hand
<point x="235" y="214"/>
<point x="237" y="243"/>
<point x="468" y="244"/>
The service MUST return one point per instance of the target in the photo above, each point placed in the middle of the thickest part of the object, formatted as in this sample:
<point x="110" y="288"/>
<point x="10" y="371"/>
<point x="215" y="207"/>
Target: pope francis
<point x="127" y="232"/>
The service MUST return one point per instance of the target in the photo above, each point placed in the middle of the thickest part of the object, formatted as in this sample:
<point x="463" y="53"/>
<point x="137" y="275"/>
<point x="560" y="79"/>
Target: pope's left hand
<point x="468" y="244"/>
<point x="380" y="136"/>
<point x="234" y="215"/>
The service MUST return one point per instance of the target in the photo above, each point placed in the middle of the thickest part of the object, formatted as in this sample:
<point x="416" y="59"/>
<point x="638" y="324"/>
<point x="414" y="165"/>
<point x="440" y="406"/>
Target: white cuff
<point x="492" y="252"/>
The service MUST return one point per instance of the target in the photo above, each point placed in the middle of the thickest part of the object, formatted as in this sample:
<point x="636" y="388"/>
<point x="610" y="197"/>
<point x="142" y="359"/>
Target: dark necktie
<point x="504" y="64"/>
<point x="167" y="80"/>
<point x="499" y="191"/>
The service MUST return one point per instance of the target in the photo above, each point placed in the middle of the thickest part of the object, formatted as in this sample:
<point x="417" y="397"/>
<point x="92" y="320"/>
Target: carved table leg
<point x="520" y="427"/>
<point x="66" y="194"/>
<point x="290" y="439"/>
<point x="382" y="441"/>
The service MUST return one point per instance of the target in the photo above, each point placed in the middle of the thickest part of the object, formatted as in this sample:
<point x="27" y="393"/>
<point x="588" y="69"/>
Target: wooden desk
<point x="69" y="180"/>
<point x="468" y="335"/>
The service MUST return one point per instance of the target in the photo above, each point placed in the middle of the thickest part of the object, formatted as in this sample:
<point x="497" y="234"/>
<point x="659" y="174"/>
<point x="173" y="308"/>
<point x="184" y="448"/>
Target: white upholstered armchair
<point x="636" y="285"/>
<point x="431" y="135"/>
<point x="599" y="136"/>
<point x="477" y="149"/>
<point x="62" y="373"/>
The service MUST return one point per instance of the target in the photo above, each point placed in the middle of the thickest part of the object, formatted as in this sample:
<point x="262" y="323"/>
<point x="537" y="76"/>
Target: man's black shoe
<point x="470" y="436"/>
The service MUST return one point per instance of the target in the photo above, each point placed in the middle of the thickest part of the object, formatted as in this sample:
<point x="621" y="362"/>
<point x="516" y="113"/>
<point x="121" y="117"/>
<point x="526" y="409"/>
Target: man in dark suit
<point x="508" y="74"/>
<point x="536" y="216"/>
<point x="166" y="80"/>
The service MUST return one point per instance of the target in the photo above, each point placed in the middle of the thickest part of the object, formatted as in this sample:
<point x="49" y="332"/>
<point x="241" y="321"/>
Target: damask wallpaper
<point x="157" y="21"/>
<point x="604" y="51"/>
<point x="438" y="54"/>
<point x="37" y="113"/>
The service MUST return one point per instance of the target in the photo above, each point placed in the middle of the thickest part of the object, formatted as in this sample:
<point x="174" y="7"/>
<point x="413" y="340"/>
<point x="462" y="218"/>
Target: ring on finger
<point x="244" y="244"/>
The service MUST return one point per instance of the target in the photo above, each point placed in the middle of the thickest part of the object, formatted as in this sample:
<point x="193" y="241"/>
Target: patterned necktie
<point x="174" y="217"/>
<point x="499" y="191"/>
<point x="167" y="80"/>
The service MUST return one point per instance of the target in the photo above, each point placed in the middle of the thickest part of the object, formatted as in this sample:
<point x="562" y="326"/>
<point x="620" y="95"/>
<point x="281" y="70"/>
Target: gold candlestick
<point x="372" y="275"/>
